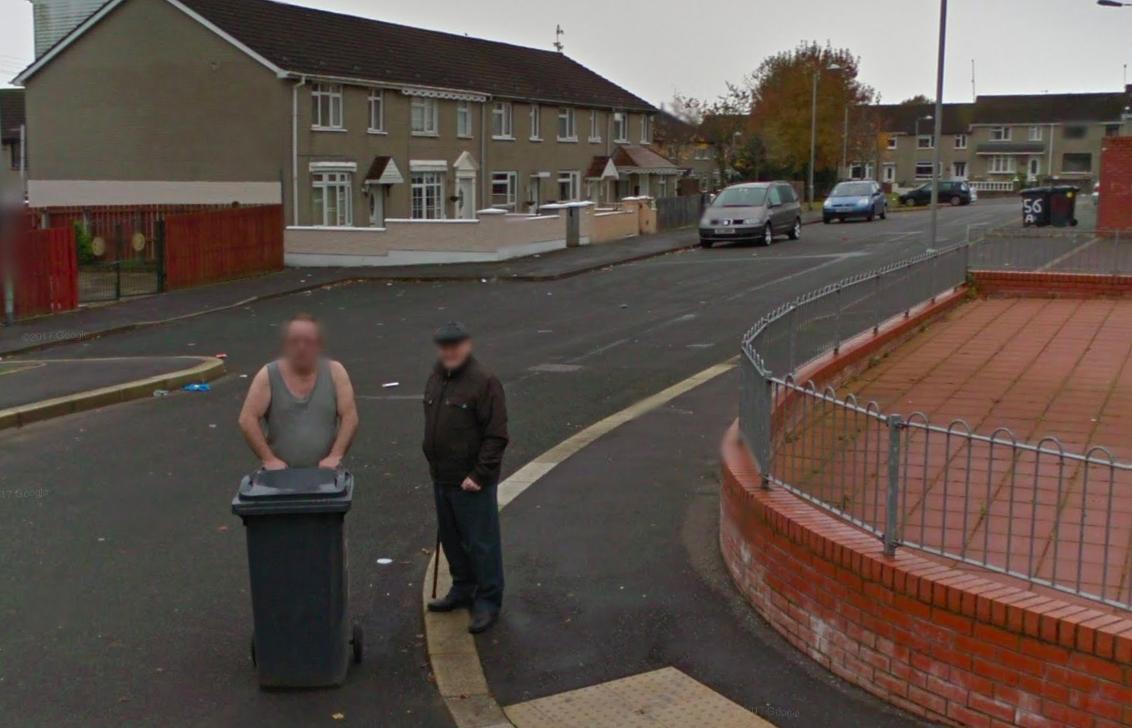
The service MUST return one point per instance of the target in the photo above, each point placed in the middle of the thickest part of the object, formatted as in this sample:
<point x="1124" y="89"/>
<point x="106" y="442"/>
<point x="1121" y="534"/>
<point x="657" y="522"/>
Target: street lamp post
<point x="933" y="228"/>
<point x="814" y="124"/>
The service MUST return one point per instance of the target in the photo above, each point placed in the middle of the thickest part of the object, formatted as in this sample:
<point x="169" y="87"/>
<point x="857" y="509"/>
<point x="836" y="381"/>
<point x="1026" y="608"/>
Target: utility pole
<point x="934" y="227"/>
<point x="845" y="144"/>
<point x="813" y="134"/>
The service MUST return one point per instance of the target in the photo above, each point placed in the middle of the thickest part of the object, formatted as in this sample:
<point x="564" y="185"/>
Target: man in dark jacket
<point x="464" y="438"/>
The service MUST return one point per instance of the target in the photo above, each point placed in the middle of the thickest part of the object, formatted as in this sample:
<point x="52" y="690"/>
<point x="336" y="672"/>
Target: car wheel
<point x="872" y="214"/>
<point x="706" y="243"/>
<point x="796" y="231"/>
<point x="955" y="201"/>
<point x="768" y="234"/>
<point x="884" y="212"/>
<point x="827" y="220"/>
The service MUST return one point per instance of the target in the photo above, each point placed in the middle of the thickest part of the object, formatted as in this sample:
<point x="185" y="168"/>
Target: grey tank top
<point x="301" y="431"/>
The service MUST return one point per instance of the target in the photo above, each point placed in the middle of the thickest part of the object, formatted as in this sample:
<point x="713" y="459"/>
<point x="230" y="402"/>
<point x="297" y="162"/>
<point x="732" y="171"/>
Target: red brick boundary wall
<point x="1116" y="184"/>
<point x="947" y="644"/>
<point x="1051" y="285"/>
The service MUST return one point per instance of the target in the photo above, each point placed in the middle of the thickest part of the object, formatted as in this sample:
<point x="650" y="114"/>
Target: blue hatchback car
<point x="859" y="198"/>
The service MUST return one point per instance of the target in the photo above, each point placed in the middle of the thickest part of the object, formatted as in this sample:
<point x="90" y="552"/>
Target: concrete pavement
<point x="125" y="576"/>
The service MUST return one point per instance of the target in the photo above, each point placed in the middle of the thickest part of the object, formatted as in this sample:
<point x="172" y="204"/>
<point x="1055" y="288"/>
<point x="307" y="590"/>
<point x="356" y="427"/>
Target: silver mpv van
<point x="756" y="211"/>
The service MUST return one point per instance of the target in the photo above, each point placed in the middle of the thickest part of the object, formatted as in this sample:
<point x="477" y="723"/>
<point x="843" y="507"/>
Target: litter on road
<point x="388" y="385"/>
<point x="201" y="387"/>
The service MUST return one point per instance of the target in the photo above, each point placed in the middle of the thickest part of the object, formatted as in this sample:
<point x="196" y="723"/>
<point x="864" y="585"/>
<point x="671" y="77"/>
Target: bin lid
<point x="294" y="490"/>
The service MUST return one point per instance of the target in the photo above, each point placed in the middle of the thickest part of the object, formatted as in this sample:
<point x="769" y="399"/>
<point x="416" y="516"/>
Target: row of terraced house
<point x="348" y="123"/>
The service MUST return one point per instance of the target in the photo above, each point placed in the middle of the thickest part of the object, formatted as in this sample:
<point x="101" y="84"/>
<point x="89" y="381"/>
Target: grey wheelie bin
<point x="295" y="524"/>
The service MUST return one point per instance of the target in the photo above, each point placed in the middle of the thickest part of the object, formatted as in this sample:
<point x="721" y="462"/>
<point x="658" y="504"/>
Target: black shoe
<point x="482" y="620"/>
<point x="450" y="603"/>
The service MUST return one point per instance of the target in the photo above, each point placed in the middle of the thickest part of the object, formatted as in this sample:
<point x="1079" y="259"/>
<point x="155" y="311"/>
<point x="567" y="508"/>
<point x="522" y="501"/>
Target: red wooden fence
<point x="203" y="247"/>
<point x="117" y="224"/>
<point x="46" y="271"/>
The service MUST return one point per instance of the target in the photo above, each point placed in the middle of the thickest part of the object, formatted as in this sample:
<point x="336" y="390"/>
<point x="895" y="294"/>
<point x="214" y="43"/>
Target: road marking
<point x="451" y="650"/>
<point x="1066" y="256"/>
<point x="665" y="698"/>
<point x="555" y="368"/>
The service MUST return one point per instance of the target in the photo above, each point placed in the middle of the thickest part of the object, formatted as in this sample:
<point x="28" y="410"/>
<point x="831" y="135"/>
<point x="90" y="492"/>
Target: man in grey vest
<point x="465" y="433"/>
<point x="304" y="401"/>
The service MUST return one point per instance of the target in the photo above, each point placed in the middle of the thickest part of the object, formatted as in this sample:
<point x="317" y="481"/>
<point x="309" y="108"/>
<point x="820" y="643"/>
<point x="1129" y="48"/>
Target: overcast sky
<point x="654" y="50"/>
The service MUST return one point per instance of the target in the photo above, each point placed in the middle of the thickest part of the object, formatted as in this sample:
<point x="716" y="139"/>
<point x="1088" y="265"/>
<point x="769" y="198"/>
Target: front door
<point x="466" y="198"/>
<point x="377" y="206"/>
<point x="1035" y="167"/>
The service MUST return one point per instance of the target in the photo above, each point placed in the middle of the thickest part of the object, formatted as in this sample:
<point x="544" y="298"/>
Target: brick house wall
<point x="1116" y="184"/>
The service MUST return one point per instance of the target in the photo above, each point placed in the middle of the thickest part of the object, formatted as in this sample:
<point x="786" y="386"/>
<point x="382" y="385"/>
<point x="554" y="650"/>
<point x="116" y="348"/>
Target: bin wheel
<point x="358" y="643"/>
<point x="253" y="649"/>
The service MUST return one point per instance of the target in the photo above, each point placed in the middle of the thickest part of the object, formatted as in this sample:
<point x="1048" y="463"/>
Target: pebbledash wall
<point x="943" y="643"/>
<point x="494" y="235"/>
<point x="1116" y="185"/>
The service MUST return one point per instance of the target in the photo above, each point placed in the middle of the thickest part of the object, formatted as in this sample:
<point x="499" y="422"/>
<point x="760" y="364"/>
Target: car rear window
<point x="853" y="189"/>
<point x="741" y="197"/>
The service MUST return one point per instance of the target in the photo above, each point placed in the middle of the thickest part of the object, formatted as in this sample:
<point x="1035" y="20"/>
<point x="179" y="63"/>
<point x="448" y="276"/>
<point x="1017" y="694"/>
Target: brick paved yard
<point x="1042" y="368"/>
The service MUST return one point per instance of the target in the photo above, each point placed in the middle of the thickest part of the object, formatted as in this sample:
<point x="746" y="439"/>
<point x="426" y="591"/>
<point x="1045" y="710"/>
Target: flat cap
<point x="451" y="333"/>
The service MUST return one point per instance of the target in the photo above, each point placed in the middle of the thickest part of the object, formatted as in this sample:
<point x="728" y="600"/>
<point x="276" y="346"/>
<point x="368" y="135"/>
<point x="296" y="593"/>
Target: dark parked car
<point x="752" y="211"/>
<point x="859" y="198"/>
<point x="951" y="192"/>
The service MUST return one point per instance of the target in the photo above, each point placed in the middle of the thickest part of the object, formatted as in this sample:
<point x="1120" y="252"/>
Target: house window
<point x="426" y="196"/>
<point x="568" y="185"/>
<point x="1000" y="134"/>
<point x="332" y="199"/>
<point x="534" y="192"/>
<point x="376" y="110"/>
<point x="662" y="187"/>
<point x="536" y="123"/>
<point x="422" y="114"/>
<point x="595" y="127"/>
<point x="1076" y="131"/>
<point x="16" y="160"/>
<point x="501" y="120"/>
<point x="1036" y="133"/>
<point x="646" y="130"/>
<point x="503" y="190"/>
<point x="1001" y="164"/>
<point x="925" y="141"/>
<point x="1112" y="130"/>
<point x="326" y="106"/>
<point x="1077" y="162"/>
<point x="463" y="118"/>
<point x="923" y="170"/>
<point x="566" y="130"/>
<point x="959" y="170"/>
<point x="620" y="126"/>
<point x="892" y="141"/>
<point x="890" y="173"/>
<point x="960" y="141"/>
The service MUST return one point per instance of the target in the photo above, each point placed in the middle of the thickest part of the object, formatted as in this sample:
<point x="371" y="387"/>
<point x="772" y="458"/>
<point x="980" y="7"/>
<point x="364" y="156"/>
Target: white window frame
<point x="1001" y="133"/>
<point x="646" y="129"/>
<point x="510" y="180"/>
<point x="925" y="141"/>
<point x="620" y="126"/>
<point x="956" y="166"/>
<point x="428" y="116"/>
<point x="960" y="141"/>
<point x="341" y="185"/>
<point x="567" y="130"/>
<point x="1037" y="134"/>
<point x="326" y="99"/>
<point x="428" y="189"/>
<point x="535" y="116"/>
<point x="1002" y="164"/>
<point x="376" y="111"/>
<point x="573" y="178"/>
<point x="464" y="119"/>
<point x="893" y="141"/>
<point x="889" y="173"/>
<point x="595" y="128"/>
<point x="918" y="165"/>
<point x="662" y="187"/>
<point x="502" y="113"/>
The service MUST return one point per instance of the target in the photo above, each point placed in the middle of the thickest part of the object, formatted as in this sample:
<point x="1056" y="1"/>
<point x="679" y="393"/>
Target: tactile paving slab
<point x="666" y="698"/>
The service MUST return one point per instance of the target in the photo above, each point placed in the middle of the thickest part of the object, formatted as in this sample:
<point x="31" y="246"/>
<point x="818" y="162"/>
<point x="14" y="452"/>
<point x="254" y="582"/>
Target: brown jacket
<point x="465" y="425"/>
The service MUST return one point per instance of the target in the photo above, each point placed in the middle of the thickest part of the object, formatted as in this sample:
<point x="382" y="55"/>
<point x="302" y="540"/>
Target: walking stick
<point x="436" y="566"/>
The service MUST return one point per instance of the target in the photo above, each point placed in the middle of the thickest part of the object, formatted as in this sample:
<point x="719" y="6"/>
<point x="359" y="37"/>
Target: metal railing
<point x="1107" y="252"/>
<point x="1039" y="512"/>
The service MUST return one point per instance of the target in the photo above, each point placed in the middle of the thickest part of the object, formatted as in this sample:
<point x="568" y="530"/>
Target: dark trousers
<point x="469" y="532"/>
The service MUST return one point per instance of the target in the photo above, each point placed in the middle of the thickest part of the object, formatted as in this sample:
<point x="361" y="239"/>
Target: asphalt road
<point x="42" y="380"/>
<point x="123" y="590"/>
